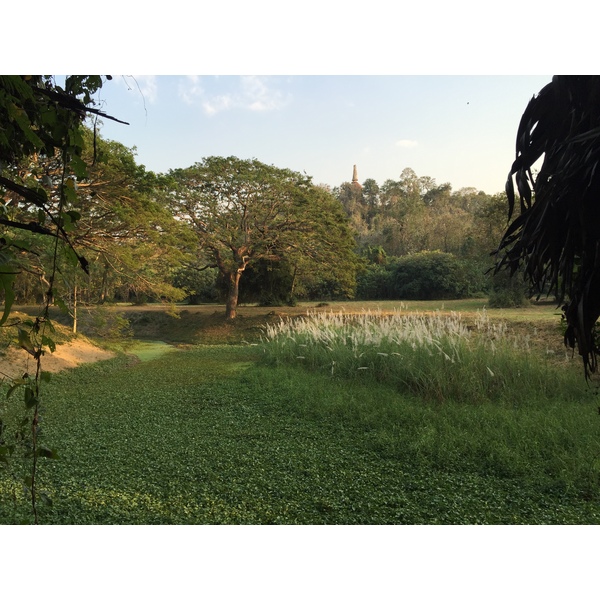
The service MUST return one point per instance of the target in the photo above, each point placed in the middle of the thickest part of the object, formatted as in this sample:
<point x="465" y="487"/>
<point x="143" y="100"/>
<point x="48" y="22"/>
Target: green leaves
<point x="40" y="125"/>
<point x="69" y="222"/>
<point x="18" y="115"/>
<point x="244" y="211"/>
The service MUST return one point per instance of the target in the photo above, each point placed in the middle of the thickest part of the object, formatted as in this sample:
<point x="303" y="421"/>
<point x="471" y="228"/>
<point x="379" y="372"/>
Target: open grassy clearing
<point x="213" y="434"/>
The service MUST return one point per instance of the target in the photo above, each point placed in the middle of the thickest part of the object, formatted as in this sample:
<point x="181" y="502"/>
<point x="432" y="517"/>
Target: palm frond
<point x="556" y="236"/>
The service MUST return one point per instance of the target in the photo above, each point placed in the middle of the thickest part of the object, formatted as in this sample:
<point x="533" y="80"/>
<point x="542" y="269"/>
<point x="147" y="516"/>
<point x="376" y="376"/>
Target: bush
<point x="508" y="292"/>
<point x="375" y="282"/>
<point x="429" y="276"/>
<point x="423" y="276"/>
<point x="200" y="286"/>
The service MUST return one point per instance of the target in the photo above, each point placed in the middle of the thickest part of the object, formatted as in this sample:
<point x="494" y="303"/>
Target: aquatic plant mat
<point x="254" y="434"/>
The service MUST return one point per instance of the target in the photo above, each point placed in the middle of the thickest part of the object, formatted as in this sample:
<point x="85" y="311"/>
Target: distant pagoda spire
<point x="355" y="177"/>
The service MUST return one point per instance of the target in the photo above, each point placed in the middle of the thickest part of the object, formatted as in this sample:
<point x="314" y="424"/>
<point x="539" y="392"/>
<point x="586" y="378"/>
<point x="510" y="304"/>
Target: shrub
<point x="375" y="282"/>
<point x="508" y="292"/>
<point x="200" y="286"/>
<point x="429" y="276"/>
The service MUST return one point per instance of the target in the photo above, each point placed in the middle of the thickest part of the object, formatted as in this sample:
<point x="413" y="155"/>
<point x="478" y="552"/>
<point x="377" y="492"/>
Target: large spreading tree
<point x="243" y="211"/>
<point x="556" y="237"/>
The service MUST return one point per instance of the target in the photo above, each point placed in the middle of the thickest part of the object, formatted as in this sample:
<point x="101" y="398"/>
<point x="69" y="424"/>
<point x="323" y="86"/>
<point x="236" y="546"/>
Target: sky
<point x="457" y="129"/>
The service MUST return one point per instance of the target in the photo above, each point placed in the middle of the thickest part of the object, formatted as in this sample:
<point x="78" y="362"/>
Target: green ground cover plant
<point x="240" y="434"/>
<point x="476" y="397"/>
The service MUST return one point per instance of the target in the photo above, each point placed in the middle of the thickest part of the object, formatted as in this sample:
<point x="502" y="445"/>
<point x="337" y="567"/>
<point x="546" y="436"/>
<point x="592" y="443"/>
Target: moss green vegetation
<point x="241" y="434"/>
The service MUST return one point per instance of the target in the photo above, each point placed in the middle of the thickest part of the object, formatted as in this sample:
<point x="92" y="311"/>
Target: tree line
<point x="225" y="228"/>
<point x="422" y="240"/>
<point x="229" y="230"/>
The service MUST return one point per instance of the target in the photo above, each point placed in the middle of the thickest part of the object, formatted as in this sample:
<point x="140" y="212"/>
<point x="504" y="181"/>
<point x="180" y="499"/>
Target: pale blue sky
<point x="456" y="129"/>
<point x="445" y="85"/>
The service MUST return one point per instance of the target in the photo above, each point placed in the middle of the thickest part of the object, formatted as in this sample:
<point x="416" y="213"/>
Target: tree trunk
<point x="232" y="294"/>
<point x="293" y="286"/>
<point x="104" y="284"/>
<point x="75" y="308"/>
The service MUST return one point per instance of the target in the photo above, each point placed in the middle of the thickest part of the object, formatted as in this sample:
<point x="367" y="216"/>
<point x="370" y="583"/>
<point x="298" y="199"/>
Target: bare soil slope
<point x="15" y="361"/>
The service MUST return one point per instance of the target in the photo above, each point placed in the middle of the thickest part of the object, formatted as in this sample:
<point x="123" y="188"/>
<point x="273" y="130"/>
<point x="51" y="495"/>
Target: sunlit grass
<point x="476" y="397"/>
<point x="206" y="435"/>
<point x="435" y="356"/>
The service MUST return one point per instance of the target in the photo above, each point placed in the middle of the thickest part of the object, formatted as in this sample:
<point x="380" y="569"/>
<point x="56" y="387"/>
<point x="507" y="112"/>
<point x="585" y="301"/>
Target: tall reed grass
<point x="437" y="357"/>
<point x="459" y="396"/>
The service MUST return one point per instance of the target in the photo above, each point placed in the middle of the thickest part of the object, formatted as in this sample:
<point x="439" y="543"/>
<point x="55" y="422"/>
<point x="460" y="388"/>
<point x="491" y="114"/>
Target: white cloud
<point x="406" y="143"/>
<point x="257" y="95"/>
<point x="147" y="85"/>
<point x="190" y="89"/>
<point x="247" y="93"/>
<point x="218" y="103"/>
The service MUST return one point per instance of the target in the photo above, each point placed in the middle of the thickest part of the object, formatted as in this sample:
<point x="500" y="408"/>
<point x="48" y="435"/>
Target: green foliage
<point x="102" y="323"/>
<point x="39" y="121"/>
<point x="166" y="442"/>
<point x="429" y="276"/>
<point x="36" y="115"/>
<point x="423" y="276"/>
<point x="244" y="211"/>
<point x="200" y="285"/>
<point x="268" y="283"/>
<point x="508" y="291"/>
<point x="375" y="255"/>
<point x="376" y="282"/>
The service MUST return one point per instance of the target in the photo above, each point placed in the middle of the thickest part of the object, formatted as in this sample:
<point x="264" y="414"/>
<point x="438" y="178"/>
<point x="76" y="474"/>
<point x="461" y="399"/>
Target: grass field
<point x="226" y="430"/>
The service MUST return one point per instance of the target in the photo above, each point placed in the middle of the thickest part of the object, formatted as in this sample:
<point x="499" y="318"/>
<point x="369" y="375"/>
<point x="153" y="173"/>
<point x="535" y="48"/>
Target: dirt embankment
<point x="15" y="361"/>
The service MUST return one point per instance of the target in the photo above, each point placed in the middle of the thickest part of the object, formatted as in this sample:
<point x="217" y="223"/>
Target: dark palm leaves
<point x="556" y="237"/>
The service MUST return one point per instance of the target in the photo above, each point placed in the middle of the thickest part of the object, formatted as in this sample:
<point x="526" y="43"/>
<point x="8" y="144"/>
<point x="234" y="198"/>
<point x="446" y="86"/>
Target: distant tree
<point x="370" y="194"/>
<point x="435" y="193"/>
<point x="351" y="197"/>
<point x="375" y="255"/>
<point x="199" y="285"/>
<point x="243" y="211"/>
<point x="556" y="236"/>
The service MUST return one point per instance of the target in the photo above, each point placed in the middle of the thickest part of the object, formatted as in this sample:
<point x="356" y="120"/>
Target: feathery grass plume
<point x="435" y="356"/>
